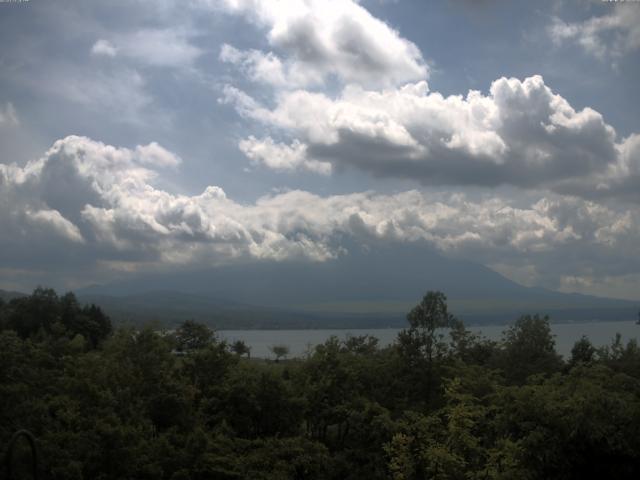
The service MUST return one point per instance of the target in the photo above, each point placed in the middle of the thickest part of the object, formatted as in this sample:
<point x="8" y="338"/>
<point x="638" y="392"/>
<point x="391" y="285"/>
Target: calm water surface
<point x="299" y="341"/>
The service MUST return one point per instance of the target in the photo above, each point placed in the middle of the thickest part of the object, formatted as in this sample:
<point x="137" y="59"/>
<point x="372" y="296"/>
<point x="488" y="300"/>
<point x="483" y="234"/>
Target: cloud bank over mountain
<point x="345" y="130"/>
<point x="100" y="202"/>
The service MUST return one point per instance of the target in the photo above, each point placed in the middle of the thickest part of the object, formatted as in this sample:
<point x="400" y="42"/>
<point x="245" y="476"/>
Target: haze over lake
<point x="300" y="341"/>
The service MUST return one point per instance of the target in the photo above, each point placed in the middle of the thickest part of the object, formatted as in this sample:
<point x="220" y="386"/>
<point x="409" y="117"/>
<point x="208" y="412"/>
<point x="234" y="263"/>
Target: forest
<point x="117" y="402"/>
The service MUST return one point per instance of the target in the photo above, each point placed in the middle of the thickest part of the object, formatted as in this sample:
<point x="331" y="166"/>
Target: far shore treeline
<point x="438" y="403"/>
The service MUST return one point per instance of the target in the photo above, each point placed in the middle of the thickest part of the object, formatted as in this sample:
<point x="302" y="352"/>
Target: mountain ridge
<point x="381" y="285"/>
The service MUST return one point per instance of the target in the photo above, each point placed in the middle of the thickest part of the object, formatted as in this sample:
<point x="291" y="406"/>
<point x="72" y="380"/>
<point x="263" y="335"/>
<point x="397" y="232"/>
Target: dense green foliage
<point x="440" y="403"/>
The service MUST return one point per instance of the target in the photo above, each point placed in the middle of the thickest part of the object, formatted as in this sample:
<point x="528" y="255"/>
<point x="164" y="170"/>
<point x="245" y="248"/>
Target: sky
<point x="146" y="136"/>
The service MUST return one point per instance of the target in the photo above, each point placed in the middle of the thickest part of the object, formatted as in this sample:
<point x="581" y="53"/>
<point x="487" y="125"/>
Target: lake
<point x="299" y="341"/>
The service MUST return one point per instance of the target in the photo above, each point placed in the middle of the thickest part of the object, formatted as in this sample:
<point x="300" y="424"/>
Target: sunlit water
<point x="301" y="341"/>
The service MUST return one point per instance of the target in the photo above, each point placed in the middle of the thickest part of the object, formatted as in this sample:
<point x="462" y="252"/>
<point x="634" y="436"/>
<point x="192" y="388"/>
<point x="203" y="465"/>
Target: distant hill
<point x="169" y="308"/>
<point x="7" y="295"/>
<point x="365" y="289"/>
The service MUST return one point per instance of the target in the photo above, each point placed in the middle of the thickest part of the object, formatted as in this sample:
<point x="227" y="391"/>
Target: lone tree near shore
<point x="192" y="335"/>
<point x="240" y="348"/>
<point x="427" y="321"/>
<point x="280" y="351"/>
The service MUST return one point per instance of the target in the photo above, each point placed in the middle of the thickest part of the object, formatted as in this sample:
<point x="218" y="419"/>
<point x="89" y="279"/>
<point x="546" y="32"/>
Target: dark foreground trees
<point x="44" y="314"/>
<point x="440" y="403"/>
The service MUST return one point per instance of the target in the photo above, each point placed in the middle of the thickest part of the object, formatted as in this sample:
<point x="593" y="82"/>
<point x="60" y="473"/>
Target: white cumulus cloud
<point x="320" y="38"/>
<point x="610" y="35"/>
<point x="101" y="200"/>
<point x="165" y="47"/>
<point x="8" y="115"/>
<point x="520" y="133"/>
<point x="279" y="156"/>
<point x="104" y="47"/>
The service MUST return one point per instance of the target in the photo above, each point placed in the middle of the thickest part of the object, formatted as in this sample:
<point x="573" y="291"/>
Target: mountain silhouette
<point x="366" y="286"/>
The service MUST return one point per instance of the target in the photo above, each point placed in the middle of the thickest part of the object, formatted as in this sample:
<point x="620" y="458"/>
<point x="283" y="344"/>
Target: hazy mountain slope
<point x="169" y="308"/>
<point x="386" y="274"/>
<point x="379" y="285"/>
<point x="7" y="295"/>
